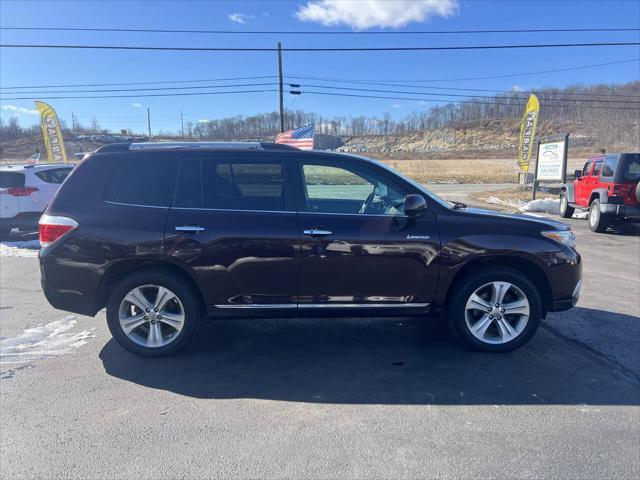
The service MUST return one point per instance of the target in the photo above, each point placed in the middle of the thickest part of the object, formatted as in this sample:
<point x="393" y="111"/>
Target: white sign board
<point x="550" y="161"/>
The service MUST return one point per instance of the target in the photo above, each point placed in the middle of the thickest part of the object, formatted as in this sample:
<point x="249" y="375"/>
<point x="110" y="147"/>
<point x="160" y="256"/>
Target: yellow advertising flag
<point x="52" y="133"/>
<point x="528" y="132"/>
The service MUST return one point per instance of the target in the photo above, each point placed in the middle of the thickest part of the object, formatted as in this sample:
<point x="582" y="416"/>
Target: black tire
<point x="598" y="221"/>
<point x="475" y="280"/>
<point x="565" y="210"/>
<point x="5" y="230"/>
<point x="183" y="291"/>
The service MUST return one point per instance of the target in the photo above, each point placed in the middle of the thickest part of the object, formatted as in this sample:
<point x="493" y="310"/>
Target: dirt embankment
<point x="482" y="139"/>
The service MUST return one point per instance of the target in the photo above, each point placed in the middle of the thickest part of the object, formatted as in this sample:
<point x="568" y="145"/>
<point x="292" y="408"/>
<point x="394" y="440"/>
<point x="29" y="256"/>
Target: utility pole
<point x="73" y="122"/>
<point x="149" y="122"/>
<point x="182" y="124"/>
<point x="281" y="91"/>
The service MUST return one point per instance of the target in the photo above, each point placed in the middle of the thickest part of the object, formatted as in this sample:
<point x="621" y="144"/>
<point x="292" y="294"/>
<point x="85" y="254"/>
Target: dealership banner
<point x="527" y="132"/>
<point x="52" y="133"/>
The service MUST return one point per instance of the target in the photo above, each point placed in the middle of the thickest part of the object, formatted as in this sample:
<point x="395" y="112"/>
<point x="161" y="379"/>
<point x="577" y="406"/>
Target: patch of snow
<point x="544" y="205"/>
<point x="514" y="204"/>
<point x="44" y="341"/>
<point x="23" y="248"/>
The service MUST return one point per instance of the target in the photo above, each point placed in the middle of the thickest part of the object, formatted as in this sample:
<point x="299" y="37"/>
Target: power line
<point x="322" y="49"/>
<point x="319" y="32"/>
<point x="403" y="85"/>
<point x="459" y="101"/>
<point x="139" y="96"/>
<point x="328" y="87"/>
<point x="580" y="67"/>
<point x="105" y="90"/>
<point x="141" y="83"/>
<point x="467" y="96"/>
<point x="355" y="81"/>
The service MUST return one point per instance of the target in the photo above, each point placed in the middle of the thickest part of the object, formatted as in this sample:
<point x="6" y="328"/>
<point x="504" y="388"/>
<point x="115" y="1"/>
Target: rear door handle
<point x="317" y="232"/>
<point x="190" y="228"/>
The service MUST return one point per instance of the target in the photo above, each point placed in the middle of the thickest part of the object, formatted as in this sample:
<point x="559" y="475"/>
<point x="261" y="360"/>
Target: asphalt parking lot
<point x="393" y="398"/>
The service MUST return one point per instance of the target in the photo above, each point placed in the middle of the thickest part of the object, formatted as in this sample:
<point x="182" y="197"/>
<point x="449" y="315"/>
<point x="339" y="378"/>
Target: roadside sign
<point x="551" y="161"/>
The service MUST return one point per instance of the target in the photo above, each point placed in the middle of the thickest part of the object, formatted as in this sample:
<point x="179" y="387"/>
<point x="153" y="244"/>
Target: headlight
<point x="565" y="237"/>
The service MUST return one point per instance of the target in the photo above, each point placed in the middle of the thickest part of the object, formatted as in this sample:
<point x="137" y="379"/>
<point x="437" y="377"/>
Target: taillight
<point x="19" y="191"/>
<point x="52" y="228"/>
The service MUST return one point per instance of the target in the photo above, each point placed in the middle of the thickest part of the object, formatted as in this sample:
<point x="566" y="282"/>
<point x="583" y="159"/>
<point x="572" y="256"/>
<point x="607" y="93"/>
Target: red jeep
<point x="608" y="186"/>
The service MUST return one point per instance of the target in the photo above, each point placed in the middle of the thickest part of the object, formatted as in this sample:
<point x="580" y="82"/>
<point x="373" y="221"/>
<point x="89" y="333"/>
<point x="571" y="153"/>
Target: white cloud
<point x="396" y="105"/>
<point x="15" y="109"/>
<point x="203" y="120"/>
<point x="517" y="88"/>
<point x="422" y="102"/>
<point x="363" y="14"/>
<point x="241" y="17"/>
<point x="136" y="105"/>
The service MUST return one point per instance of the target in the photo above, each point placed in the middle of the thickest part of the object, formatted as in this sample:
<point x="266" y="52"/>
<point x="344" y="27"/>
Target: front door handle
<point x="317" y="232"/>
<point x="190" y="228"/>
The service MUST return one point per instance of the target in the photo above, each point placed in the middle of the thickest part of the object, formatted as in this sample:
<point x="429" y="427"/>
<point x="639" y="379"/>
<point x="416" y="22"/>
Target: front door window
<point x="333" y="189"/>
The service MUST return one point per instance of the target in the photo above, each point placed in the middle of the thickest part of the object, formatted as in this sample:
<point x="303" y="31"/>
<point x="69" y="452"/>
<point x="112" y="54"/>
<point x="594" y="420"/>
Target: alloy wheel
<point x="151" y="316"/>
<point x="497" y="312"/>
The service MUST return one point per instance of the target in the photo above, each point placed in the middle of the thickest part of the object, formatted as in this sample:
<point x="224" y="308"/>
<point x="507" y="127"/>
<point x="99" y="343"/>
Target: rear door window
<point x="11" y="180"/>
<point x="231" y="185"/>
<point x="596" y="168"/>
<point x="143" y="181"/>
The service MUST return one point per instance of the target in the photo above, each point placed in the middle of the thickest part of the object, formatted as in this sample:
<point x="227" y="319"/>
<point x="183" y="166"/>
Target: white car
<point x="25" y="191"/>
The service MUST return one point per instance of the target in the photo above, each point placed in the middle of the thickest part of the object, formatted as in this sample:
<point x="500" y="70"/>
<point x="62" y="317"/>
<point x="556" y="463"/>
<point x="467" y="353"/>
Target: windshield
<point x="631" y="167"/>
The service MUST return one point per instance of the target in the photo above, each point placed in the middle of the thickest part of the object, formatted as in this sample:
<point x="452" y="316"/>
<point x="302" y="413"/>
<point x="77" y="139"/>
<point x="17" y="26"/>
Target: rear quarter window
<point x="11" y="180"/>
<point x="609" y="166"/>
<point x="142" y="181"/>
<point x="54" y="175"/>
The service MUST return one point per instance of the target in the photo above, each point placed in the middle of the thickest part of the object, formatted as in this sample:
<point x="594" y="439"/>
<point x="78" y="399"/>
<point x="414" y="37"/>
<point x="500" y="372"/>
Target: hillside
<point x="477" y="139"/>
<point x="485" y="139"/>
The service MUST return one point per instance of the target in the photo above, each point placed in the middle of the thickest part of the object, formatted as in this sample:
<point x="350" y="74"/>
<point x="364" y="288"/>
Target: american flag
<point x="301" y="138"/>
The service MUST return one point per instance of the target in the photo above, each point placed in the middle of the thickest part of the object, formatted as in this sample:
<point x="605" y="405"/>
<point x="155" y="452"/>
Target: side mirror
<point x="414" y="205"/>
<point x="577" y="173"/>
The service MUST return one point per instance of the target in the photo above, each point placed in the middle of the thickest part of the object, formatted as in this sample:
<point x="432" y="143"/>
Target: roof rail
<point x="123" y="147"/>
<point x="195" y="145"/>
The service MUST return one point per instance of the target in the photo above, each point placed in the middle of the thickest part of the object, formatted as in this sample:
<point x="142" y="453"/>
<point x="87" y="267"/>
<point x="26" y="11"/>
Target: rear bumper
<point x="65" y="300"/>
<point x="22" y="221"/>
<point x="626" y="211"/>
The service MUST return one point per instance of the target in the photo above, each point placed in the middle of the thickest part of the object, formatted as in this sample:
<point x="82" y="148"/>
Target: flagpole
<point x="281" y="87"/>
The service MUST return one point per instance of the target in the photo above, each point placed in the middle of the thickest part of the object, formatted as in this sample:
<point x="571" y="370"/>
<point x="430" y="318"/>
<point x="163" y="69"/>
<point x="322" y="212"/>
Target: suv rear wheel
<point x="495" y="310"/>
<point x="153" y="313"/>
<point x="598" y="221"/>
<point x="565" y="210"/>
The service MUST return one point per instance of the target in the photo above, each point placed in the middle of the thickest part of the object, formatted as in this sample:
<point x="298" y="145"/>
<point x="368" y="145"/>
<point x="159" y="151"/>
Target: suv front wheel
<point x="153" y="313"/>
<point x="495" y="310"/>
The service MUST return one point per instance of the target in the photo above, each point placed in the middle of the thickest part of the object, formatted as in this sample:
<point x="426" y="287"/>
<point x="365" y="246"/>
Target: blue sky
<point x="25" y="67"/>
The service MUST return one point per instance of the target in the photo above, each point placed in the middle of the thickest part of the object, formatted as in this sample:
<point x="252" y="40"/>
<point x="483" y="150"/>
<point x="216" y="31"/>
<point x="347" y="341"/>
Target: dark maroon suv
<point x="165" y="235"/>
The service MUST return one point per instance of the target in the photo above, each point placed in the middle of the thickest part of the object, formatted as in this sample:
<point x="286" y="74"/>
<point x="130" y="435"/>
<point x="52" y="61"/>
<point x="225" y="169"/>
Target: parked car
<point x="161" y="234"/>
<point x="608" y="187"/>
<point x="25" y="191"/>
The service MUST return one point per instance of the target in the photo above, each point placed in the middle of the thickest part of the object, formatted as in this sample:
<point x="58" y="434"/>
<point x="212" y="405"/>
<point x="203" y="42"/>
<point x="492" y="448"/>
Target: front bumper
<point x="566" y="304"/>
<point x="631" y="212"/>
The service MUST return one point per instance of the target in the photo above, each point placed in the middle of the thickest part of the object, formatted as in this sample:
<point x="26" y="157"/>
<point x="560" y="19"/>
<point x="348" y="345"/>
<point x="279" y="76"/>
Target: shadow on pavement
<point x="373" y="361"/>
